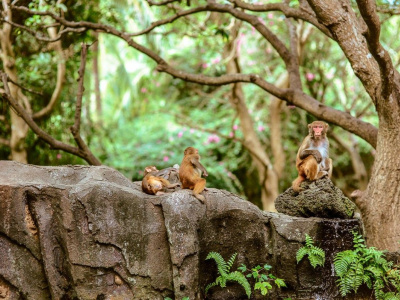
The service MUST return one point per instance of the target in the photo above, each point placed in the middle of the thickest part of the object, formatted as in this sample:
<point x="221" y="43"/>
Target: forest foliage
<point x="149" y="118"/>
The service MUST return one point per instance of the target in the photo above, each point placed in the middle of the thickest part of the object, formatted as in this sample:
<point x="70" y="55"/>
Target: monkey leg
<point x="198" y="188"/>
<point x="310" y="168"/>
<point x="297" y="182"/>
<point x="307" y="169"/>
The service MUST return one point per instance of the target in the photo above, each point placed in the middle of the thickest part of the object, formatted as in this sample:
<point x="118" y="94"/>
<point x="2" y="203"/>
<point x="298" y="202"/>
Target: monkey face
<point x="318" y="129"/>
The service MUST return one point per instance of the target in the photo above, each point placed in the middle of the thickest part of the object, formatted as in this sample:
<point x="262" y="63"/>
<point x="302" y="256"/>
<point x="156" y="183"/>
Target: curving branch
<point x="288" y="11"/>
<point x="40" y="36"/>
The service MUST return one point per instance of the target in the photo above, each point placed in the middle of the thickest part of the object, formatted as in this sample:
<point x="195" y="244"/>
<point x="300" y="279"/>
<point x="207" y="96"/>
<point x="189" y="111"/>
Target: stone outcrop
<point x="79" y="232"/>
<point x="320" y="198"/>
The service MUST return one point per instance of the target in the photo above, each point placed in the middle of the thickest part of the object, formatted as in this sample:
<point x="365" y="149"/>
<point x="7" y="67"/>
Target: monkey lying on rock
<point x="153" y="183"/>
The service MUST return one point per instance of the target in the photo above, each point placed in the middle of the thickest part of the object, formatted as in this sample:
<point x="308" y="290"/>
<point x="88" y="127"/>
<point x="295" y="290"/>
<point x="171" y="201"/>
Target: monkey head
<point x="318" y="129"/>
<point x="190" y="150"/>
<point x="150" y="169"/>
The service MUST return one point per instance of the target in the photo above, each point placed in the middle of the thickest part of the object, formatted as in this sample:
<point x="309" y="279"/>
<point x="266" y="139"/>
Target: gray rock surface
<point x="320" y="198"/>
<point x="80" y="232"/>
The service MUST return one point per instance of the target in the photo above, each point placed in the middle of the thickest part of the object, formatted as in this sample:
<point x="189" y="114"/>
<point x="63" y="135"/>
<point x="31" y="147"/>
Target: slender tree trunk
<point x="19" y="128"/>
<point x="99" y="108"/>
<point x="267" y="176"/>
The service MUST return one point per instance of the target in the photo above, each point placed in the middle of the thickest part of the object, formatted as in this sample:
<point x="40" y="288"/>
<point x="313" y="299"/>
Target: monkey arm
<point x="307" y="152"/>
<point x="199" y="166"/>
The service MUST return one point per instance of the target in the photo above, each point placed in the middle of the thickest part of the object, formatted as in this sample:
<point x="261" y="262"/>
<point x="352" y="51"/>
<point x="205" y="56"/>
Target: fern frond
<point x="222" y="266"/>
<point x="242" y="280"/>
<point x="301" y="253"/>
<point x="209" y="286"/>
<point x="231" y="261"/>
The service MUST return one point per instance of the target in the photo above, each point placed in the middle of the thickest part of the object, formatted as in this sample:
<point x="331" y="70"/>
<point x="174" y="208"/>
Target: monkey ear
<point x="326" y="126"/>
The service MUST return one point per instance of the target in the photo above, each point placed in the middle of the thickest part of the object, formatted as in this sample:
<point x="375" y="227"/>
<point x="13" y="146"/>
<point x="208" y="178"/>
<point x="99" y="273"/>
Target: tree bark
<point x="19" y="128"/>
<point x="359" y="40"/>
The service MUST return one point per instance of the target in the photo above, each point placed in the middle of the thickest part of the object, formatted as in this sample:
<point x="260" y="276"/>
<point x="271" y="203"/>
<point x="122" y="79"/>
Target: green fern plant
<point x="225" y="275"/>
<point x="316" y="255"/>
<point x="367" y="266"/>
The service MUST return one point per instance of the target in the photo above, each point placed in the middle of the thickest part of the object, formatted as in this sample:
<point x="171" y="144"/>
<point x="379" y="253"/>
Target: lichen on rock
<point x="320" y="198"/>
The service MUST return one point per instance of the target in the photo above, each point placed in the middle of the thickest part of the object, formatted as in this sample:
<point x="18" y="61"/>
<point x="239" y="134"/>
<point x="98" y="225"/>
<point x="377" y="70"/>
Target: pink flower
<point x="191" y="131"/>
<point x="231" y="134"/>
<point x="270" y="16"/>
<point x="310" y="76"/>
<point x="261" y="128"/>
<point x="204" y="66"/>
<point x="329" y="75"/>
<point x="59" y="156"/>
<point x="214" y="138"/>
<point x="235" y="127"/>
<point x="140" y="172"/>
<point x="143" y="90"/>
<point x="180" y="133"/>
<point x="216" y="60"/>
<point x="166" y="158"/>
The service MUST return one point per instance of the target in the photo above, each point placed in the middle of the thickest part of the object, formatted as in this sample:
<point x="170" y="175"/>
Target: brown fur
<point x="155" y="185"/>
<point x="312" y="160"/>
<point x="190" y="173"/>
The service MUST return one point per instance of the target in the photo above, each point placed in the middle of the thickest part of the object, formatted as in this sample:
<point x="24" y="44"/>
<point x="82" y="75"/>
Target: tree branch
<point x="286" y="10"/>
<point x="368" y="12"/>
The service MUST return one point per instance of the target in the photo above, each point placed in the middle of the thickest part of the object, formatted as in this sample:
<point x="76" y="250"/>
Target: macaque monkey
<point x="312" y="160"/>
<point x="153" y="184"/>
<point x="190" y="173"/>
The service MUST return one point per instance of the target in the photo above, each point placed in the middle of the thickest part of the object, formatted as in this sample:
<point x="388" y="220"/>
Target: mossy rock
<point x="320" y="198"/>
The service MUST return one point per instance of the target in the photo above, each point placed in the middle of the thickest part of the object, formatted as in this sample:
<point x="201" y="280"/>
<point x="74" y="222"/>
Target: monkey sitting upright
<point x="190" y="172"/>
<point x="312" y="160"/>
<point x="153" y="184"/>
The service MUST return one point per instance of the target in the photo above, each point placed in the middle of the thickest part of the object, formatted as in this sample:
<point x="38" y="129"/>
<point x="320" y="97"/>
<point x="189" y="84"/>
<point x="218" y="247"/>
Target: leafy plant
<point x="367" y="266"/>
<point x="315" y="254"/>
<point x="259" y="274"/>
<point x="225" y="275"/>
<point x="262" y="278"/>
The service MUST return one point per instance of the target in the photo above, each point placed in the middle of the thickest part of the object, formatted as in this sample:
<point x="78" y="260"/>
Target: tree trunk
<point x="359" y="40"/>
<point x="19" y="128"/>
<point x="380" y="205"/>
<point x="267" y="176"/>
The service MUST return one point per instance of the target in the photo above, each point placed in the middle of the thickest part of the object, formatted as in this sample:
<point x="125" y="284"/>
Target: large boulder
<point x="320" y="198"/>
<point x="79" y="232"/>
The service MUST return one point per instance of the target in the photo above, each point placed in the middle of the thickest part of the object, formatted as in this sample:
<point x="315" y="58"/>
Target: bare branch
<point x="75" y="129"/>
<point x="24" y="88"/>
<point x="286" y="10"/>
<point x="40" y="36"/>
<point x="161" y="3"/>
<point x="170" y="19"/>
